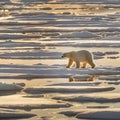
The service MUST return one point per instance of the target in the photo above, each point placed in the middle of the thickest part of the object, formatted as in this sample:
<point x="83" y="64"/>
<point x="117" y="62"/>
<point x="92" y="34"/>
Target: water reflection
<point x="82" y="78"/>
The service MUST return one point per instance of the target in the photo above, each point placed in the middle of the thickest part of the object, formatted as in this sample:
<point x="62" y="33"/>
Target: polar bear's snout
<point x="63" y="56"/>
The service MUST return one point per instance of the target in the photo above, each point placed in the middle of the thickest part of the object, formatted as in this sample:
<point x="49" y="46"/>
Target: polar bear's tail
<point x="93" y="65"/>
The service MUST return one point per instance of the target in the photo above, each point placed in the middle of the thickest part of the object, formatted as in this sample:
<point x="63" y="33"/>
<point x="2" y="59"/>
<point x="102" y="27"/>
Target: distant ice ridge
<point x="83" y="34"/>
<point x="90" y="1"/>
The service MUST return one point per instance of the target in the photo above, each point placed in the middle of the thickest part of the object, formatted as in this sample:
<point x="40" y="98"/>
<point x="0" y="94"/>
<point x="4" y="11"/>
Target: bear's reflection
<point x="82" y="78"/>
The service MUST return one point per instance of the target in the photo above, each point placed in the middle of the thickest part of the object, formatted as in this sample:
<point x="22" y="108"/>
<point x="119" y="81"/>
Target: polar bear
<point x="78" y="57"/>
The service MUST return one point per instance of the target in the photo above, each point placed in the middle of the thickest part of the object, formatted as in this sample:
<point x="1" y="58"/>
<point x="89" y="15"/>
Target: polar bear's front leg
<point x="69" y="63"/>
<point x="77" y="64"/>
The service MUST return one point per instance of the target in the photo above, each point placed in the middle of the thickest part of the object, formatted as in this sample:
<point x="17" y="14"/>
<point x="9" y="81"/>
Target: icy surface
<point x="33" y="36"/>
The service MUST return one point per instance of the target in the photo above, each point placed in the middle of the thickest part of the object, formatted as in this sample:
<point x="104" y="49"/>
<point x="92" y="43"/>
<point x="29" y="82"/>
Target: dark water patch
<point x="13" y="114"/>
<point x="89" y="99"/>
<point x="34" y="1"/>
<point x="50" y="34"/>
<point x="13" y="66"/>
<point x="111" y="53"/>
<point x="12" y="44"/>
<point x="98" y="57"/>
<point x="29" y="107"/>
<point x="66" y="13"/>
<point x="19" y="24"/>
<point x="67" y="90"/>
<point x="28" y="14"/>
<point x="98" y="115"/>
<point x="46" y="8"/>
<point x="113" y="57"/>
<point x="6" y="93"/>
<point x="30" y="76"/>
<point x="40" y="15"/>
<point x="46" y="117"/>
<point x="3" y="36"/>
<point x="32" y="55"/>
<point x="98" y="107"/>
<point x="113" y="83"/>
<point x="99" y="53"/>
<point x="66" y="8"/>
<point x="77" y="84"/>
<point x="110" y="77"/>
<point x="69" y="113"/>
<point x="20" y="84"/>
<point x="104" y="114"/>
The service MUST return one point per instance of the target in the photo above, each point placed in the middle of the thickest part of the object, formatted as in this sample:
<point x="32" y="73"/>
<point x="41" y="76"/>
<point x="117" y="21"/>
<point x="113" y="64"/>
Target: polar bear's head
<point x="66" y="55"/>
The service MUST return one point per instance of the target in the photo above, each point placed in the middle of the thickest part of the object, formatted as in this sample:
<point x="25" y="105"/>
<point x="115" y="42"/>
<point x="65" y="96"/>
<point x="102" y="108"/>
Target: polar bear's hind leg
<point x="84" y="64"/>
<point x="91" y="64"/>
